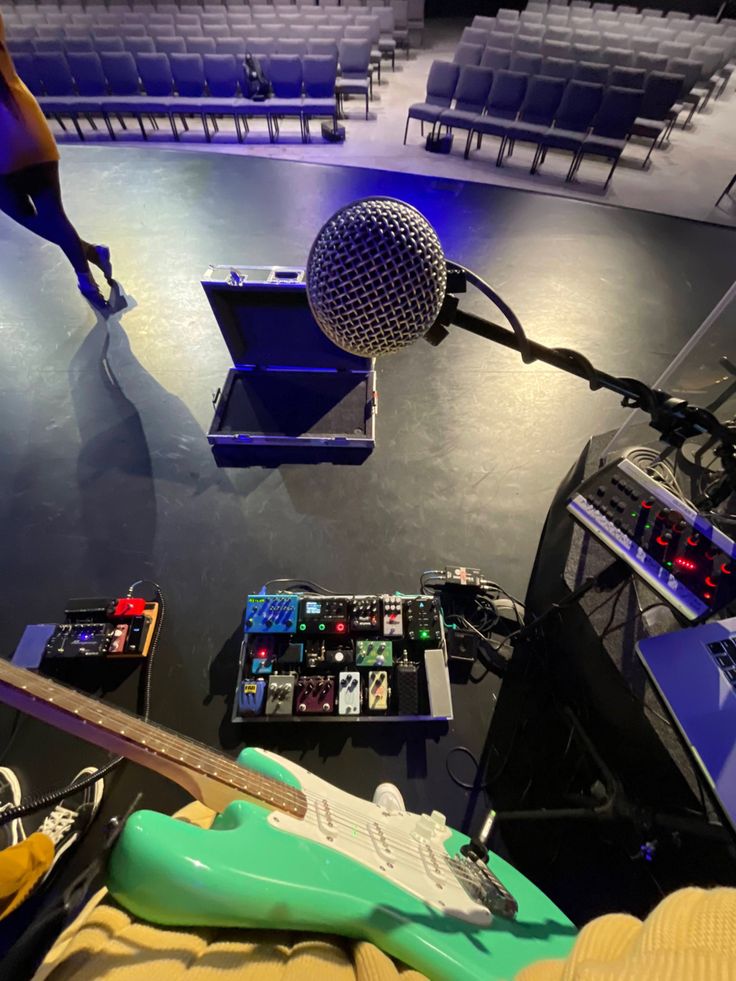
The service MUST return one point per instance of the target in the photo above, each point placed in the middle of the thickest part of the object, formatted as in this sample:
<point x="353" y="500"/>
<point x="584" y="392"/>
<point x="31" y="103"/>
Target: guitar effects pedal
<point x="407" y="687"/>
<point x="318" y="615"/>
<point x="421" y="620"/>
<point x="250" y="696"/>
<point x="378" y="691"/>
<point x="271" y="614"/>
<point x="348" y="693"/>
<point x="262" y="654"/>
<point x="340" y="655"/>
<point x="393" y="622"/>
<point x="374" y="653"/>
<point x="364" y="614"/>
<point x="315" y="695"/>
<point x="280" y="697"/>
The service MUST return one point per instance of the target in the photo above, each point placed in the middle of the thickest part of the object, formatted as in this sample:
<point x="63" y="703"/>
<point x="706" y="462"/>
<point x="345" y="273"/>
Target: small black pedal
<point x="407" y="688"/>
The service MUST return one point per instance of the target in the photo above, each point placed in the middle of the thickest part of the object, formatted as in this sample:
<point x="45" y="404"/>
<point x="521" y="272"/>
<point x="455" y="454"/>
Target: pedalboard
<point x="104" y="628"/>
<point x="670" y="545"/>
<point x="309" y="657"/>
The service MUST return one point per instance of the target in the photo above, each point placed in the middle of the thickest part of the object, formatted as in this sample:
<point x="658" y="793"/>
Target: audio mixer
<point x="676" y="550"/>
<point x="309" y="657"/>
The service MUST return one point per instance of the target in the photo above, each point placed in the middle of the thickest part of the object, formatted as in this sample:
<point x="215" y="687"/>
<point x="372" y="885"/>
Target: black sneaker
<point x="68" y="821"/>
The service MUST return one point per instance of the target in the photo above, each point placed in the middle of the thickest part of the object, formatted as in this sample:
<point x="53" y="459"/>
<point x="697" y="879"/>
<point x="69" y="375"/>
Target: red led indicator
<point x="692" y="541"/>
<point x="646" y="504"/>
<point x="263" y="652"/>
<point x="707" y="596"/>
<point x="685" y="563"/>
<point x="725" y="569"/>
<point x="340" y="628"/>
<point x="661" y="541"/>
<point x="709" y="582"/>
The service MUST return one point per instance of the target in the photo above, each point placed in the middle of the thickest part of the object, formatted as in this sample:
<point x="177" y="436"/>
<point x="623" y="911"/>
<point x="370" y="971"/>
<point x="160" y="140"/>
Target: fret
<point x="195" y="766"/>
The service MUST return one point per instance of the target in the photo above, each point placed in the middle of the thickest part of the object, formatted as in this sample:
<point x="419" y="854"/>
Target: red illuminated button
<point x="709" y="582"/>
<point x="693" y="540"/>
<point x="340" y="628"/>
<point x="726" y="568"/>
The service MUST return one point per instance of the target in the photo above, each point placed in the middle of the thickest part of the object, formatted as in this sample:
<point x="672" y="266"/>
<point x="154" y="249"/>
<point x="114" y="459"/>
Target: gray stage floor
<point x="101" y="485"/>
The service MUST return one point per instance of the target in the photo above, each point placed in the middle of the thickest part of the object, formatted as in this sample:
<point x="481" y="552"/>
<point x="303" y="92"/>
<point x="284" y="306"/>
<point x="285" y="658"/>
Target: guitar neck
<point x="211" y="778"/>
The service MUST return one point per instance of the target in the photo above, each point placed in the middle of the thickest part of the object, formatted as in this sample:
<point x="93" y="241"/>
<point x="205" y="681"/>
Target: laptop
<point x="694" y="670"/>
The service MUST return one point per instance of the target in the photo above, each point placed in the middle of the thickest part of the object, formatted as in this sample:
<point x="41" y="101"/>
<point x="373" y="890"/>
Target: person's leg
<point x="16" y="204"/>
<point x="52" y="222"/>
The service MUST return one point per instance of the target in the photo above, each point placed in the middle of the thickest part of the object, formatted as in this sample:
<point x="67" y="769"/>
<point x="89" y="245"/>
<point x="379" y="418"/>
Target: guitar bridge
<point x="483" y="886"/>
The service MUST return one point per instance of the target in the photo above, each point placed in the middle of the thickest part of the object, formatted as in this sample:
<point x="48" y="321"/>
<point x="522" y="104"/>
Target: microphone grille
<point x="376" y="276"/>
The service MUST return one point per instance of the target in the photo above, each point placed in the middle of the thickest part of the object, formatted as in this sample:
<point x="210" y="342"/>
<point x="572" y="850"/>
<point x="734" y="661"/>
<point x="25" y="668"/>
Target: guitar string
<point x="218" y="766"/>
<point x="240" y="775"/>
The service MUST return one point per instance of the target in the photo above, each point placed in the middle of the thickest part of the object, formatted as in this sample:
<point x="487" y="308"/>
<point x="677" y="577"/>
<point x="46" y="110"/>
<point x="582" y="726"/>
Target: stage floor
<point x="101" y="485"/>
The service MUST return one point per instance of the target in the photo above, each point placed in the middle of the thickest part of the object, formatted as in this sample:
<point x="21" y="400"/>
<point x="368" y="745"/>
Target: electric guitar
<point x="289" y="851"/>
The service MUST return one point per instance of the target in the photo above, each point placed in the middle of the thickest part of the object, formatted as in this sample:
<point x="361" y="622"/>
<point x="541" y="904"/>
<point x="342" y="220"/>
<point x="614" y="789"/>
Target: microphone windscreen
<point x="376" y="276"/>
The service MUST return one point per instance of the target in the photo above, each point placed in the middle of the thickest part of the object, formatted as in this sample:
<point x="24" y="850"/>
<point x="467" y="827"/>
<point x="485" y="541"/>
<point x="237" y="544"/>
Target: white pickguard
<point x="406" y="849"/>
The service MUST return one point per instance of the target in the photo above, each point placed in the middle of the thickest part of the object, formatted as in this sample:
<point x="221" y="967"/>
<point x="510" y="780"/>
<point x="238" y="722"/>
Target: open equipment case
<point x="289" y="386"/>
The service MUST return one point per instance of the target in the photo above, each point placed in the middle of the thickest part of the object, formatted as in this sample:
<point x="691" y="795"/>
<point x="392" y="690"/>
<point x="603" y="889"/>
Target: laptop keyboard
<point x="723" y="653"/>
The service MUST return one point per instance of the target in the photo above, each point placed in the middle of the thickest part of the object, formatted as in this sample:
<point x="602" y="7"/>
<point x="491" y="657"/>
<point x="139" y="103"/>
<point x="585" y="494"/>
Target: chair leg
<point x="77" y="127"/>
<point x="184" y="122"/>
<point x="238" y="131"/>
<point x="121" y="121"/>
<point x="646" y="159"/>
<point x="366" y="105"/>
<point x="174" y="130"/>
<point x="571" y="171"/>
<point x="499" y="156"/>
<point x="468" y="144"/>
<point x="91" y="120"/>
<point x="110" y="130"/>
<point x="726" y="190"/>
<point x="406" y="129"/>
<point x="610" y="173"/>
<point x="421" y="127"/>
<point x="60" y="121"/>
<point x="206" y="128"/>
<point x="144" y="134"/>
<point x="510" y="143"/>
<point x="479" y="141"/>
<point x="536" y="161"/>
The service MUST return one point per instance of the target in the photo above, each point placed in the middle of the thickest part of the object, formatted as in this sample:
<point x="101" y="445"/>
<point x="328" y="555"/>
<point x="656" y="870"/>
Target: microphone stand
<point x="673" y="418"/>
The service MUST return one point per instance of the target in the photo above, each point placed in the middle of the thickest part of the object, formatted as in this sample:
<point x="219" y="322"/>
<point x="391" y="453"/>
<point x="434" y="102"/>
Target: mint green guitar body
<point x="246" y="872"/>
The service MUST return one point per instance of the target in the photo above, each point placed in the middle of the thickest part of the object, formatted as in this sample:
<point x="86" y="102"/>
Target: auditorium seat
<point x="441" y="84"/>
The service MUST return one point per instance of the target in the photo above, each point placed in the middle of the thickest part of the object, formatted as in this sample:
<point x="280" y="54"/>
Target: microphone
<point x="376" y="276"/>
<point x="377" y="280"/>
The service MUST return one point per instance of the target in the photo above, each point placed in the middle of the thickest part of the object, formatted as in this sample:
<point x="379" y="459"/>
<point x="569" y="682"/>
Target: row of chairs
<point x="415" y="7"/>
<point x="178" y="45"/>
<point x="694" y="92"/>
<point x="602" y="11"/>
<point x="409" y="14"/>
<point x="710" y="61"/>
<point x="87" y="84"/>
<point x="585" y="118"/>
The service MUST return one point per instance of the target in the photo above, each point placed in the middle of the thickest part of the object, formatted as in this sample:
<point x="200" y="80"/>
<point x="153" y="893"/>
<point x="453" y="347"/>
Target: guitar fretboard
<point x="211" y="777"/>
